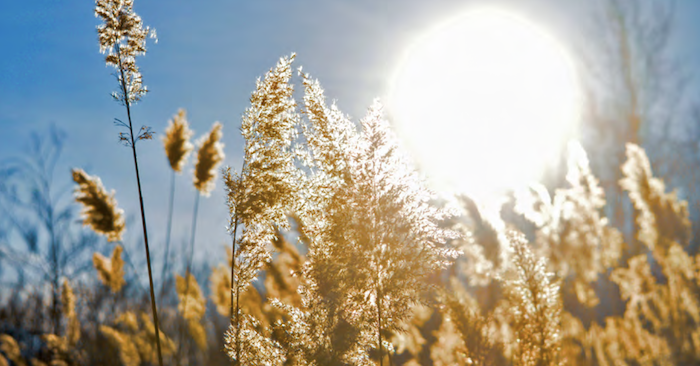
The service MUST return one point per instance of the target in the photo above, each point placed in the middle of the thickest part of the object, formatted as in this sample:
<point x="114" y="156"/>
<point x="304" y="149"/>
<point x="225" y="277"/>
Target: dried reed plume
<point x="110" y="271"/>
<point x="128" y="319"/>
<point x="99" y="207"/>
<point x="135" y="346"/>
<point x="55" y="343"/>
<point x="123" y="37"/>
<point x="259" y="199"/>
<point x="572" y="224"/>
<point x="177" y="141"/>
<point x="662" y="217"/>
<point x="145" y="339"/>
<point x="245" y="345"/>
<point x="220" y="285"/>
<point x="536" y="307"/>
<point x="9" y="346"/>
<point x="177" y="148"/>
<point x="128" y="353"/>
<point x="73" y="325"/>
<point x="192" y="307"/>
<point x="477" y="343"/>
<point x="209" y="156"/>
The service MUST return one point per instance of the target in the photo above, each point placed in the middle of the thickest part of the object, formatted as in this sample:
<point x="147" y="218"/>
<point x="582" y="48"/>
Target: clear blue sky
<point x="207" y="60"/>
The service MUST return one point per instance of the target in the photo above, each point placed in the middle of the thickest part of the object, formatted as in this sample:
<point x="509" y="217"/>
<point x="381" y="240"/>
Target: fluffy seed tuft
<point x="209" y="156"/>
<point x="177" y="141"/>
<point x="99" y="207"/>
<point x="68" y="302"/>
<point x="110" y="271"/>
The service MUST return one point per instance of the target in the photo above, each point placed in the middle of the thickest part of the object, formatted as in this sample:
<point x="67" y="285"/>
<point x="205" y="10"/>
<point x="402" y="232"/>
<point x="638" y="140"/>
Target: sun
<point x="484" y="102"/>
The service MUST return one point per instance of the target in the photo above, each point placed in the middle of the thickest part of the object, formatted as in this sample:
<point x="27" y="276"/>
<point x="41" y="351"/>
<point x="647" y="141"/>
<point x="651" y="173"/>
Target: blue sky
<point x="207" y="59"/>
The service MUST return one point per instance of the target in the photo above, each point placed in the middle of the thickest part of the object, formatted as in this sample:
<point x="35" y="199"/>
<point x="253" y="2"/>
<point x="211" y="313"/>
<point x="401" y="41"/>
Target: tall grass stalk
<point x="154" y="308"/>
<point x="233" y="264"/>
<point x="123" y="37"/>
<point x="195" y="211"/>
<point x="177" y="149"/>
<point x="235" y="195"/>
<point x="238" y="292"/>
<point x="167" y="236"/>
<point x="209" y="156"/>
<point x="188" y="270"/>
<point x="235" y="221"/>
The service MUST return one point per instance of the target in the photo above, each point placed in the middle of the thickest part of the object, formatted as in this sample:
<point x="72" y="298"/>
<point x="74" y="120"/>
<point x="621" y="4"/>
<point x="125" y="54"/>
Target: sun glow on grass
<point x="484" y="102"/>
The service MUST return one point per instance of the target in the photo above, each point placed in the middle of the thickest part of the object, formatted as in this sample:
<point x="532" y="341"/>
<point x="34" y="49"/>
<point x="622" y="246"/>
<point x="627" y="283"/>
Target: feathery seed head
<point x="99" y="207"/>
<point x="192" y="303"/>
<point x="10" y="347"/>
<point x="145" y="341"/>
<point x="128" y="352"/>
<point x="35" y="362"/>
<point x="67" y="299"/>
<point x="536" y="304"/>
<point x="128" y="319"/>
<point x="55" y="343"/>
<point x="177" y="141"/>
<point x="68" y="302"/>
<point x="122" y="37"/>
<point x="220" y="282"/>
<point x="209" y="156"/>
<point x="662" y="217"/>
<point x="192" y="307"/>
<point x="198" y="333"/>
<point x="110" y="271"/>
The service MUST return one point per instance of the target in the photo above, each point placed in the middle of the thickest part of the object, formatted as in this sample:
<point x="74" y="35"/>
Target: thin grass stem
<point x="154" y="308"/>
<point x="167" y="236"/>
<point x="194" y="230"/>
<point x="188" y="270"/>
<point x="233" y="261"/>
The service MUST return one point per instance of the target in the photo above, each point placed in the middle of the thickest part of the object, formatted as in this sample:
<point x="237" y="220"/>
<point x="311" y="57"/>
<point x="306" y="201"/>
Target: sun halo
<point x="484" y="103"/>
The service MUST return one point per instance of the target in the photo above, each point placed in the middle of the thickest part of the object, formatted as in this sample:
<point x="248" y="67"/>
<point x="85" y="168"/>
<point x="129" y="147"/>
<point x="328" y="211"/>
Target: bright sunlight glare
<point x="484" y="103"/>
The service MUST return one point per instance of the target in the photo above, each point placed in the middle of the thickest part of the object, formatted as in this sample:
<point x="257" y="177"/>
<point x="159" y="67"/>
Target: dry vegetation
<point x="340" y="256"/>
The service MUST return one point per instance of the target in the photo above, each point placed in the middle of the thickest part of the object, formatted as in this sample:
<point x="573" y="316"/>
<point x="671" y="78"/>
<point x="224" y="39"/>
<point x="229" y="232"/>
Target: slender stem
<point x="55" y="255"/>
<point x="194" y="230"/>
<point x="233" y="260"/>
<point x="130" y="262"/>
<point x="379" y="328"/>
<point x="167" y="236"/>
<point x="238" y="326"/>
<point x="233" y="268"/>
<point x="379" y="294"/>
<point x="233" y="271"/>
<point x="188" y="270"/>
<point x="143" y="214"/>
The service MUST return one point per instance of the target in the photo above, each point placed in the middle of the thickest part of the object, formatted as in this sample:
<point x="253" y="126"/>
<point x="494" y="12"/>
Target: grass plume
<point x="110" y="271"/>
<point x="209" y="155"/>
<point x="100" y="210"/>
<point x="177" y="141"/>
<point x="192" y="308"/>
<point x="177" y="149"/>
<point x="73" y="325"/>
